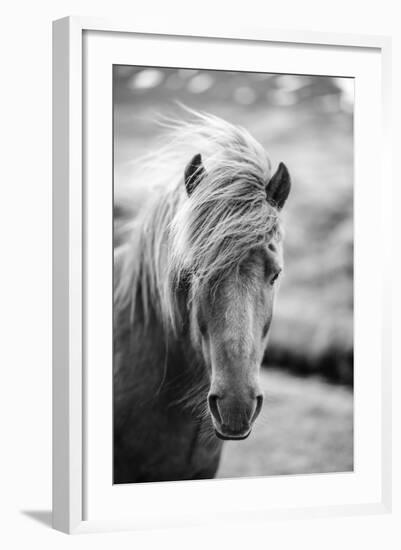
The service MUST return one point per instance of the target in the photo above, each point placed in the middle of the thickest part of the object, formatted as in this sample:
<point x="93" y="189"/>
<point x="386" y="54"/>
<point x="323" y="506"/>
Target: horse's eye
<point x="274" y="278"/>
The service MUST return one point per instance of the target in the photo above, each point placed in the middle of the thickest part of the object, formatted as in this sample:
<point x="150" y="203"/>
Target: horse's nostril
<point x="259" y="403"/>
<point x="214" y="409"/>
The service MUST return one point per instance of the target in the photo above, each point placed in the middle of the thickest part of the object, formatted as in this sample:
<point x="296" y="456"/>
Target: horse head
<point x="231" y="304"/>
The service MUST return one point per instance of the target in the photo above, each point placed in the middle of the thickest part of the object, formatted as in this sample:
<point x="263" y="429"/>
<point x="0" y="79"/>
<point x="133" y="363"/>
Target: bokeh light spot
<point x="148" y="78"/>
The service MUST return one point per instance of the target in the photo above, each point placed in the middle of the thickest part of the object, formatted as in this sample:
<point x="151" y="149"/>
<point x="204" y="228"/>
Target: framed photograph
<point x="220" y="327"/>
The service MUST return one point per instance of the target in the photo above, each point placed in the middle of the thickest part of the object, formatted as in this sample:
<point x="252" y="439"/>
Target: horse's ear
<point x="194" y="172"/>
<point x="278" y="188"/>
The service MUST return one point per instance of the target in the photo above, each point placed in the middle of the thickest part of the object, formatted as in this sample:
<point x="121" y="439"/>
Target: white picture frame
<point x="72" y="422"/>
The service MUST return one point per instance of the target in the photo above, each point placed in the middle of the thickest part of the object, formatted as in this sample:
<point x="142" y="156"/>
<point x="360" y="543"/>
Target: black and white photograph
<point x="200" y="279"/>
<point x="233" y="274"/>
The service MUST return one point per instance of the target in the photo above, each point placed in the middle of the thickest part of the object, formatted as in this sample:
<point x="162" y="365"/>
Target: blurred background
<point x="307" y="122"/>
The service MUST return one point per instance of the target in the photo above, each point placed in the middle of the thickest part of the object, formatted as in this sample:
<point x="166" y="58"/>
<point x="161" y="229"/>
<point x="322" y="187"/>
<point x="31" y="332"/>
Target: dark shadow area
<point x="41" y="516"/>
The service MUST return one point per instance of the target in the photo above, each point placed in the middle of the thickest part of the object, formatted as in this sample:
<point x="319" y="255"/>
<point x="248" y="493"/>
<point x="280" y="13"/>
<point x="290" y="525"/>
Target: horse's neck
<point x="146" y="341"/>
<point x="160" y="358"/>
<point x="179" y="368"/>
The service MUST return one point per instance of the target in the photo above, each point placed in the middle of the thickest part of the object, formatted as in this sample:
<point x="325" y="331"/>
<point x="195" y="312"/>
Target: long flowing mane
<point x="204" y="235"/>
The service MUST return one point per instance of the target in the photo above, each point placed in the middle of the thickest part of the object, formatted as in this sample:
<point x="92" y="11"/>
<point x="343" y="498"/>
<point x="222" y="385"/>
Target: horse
<point x="194" y="287"/>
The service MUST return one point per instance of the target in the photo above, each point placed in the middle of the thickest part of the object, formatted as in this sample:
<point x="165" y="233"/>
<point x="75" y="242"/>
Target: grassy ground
<point x="306" y="426"/>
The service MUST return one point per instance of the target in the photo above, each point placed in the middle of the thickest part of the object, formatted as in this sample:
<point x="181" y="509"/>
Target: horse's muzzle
<point x="233" y="418"/>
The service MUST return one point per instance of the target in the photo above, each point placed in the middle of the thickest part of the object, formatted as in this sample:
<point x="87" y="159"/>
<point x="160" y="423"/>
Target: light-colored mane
<point x="203" y="235"/>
